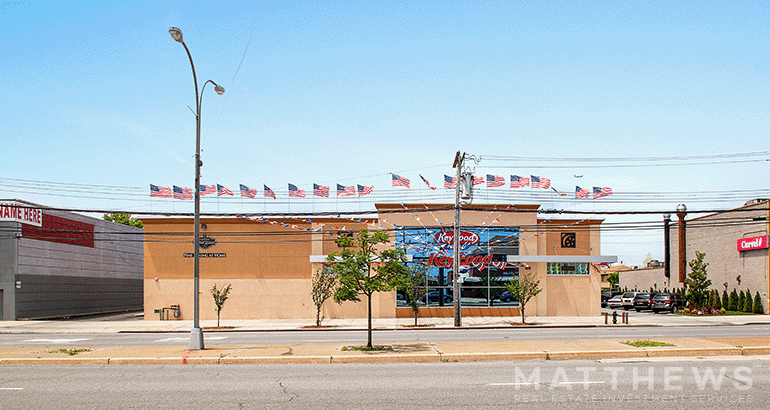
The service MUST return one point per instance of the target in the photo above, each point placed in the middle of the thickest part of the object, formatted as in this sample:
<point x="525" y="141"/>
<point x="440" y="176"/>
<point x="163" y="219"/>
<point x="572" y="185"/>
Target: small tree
<point x="697" y="281"/>
<point x="324" y="284"/>
<point x="125" y="219"/>
<point x="613" y="278"/>
<point x="748" y="305"/>
<point x="220" y="297"/>
<point x="725" y="300"/>
<point x="758" y="307"/>
<point x="524" y="289"/>
<point x="733" y="306"/>
<point x="363" y="270"/>
<point x="413" y="286"/>
<point x="717" y="301"/>
<point x="741" y="302"/>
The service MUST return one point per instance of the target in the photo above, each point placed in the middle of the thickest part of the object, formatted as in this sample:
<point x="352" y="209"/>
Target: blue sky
<point x="96" y="94"/>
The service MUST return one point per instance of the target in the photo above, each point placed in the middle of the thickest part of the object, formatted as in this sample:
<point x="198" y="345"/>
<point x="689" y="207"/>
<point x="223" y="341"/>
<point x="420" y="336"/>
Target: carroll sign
<point x="750" y="244"/>
<point x="14" y="212"/>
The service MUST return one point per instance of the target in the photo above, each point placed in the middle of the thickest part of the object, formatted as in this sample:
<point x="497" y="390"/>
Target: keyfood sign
<point x="750" y="244"/>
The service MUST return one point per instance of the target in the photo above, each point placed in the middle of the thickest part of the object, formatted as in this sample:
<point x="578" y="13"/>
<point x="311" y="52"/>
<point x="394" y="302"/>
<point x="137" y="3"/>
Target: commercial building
<point x="269" y="262"/>
<point x="735" y="244"/>
<point x="56" y="263"/>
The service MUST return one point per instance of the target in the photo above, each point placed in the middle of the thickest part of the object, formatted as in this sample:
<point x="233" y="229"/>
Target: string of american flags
<point x="492" y="181"/>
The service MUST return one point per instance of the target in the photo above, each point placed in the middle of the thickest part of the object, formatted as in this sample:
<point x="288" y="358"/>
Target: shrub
<point x="716" y="301"/>
<point x="725" y="299"/>
<point x="748" y="306"/>
<point x="741" y="302"/>
<point x="759" y="308"/>
<point x="733" y="305"/>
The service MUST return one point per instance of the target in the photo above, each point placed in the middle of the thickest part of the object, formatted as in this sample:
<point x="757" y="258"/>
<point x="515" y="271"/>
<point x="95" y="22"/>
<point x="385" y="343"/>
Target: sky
<point x="650" y="99"/>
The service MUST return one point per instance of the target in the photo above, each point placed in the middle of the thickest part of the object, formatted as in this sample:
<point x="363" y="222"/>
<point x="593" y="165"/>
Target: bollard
<point x="605" y="317"/>
<point x="614" y="318"/>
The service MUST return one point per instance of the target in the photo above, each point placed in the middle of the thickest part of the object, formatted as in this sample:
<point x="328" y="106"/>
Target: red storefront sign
<point x="750" y="244"/>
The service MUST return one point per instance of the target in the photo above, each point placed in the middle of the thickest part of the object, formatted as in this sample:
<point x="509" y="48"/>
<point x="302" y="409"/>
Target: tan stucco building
<point x="269" y="262"/>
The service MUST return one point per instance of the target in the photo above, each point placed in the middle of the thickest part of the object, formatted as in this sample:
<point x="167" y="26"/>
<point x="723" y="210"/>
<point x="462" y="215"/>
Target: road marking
<point x="56" y="340"/>
<point x="532" y="384"/>
<point x="176" y="339"/>
<point x="11" y="388"/>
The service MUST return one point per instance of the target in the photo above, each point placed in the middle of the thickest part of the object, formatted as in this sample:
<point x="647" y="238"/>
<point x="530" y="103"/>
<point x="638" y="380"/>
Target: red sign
<point x="750" y="244"/>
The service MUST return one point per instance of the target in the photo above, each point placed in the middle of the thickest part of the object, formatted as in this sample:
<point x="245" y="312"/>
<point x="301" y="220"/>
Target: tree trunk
<point x="521" y="308"/>
<point x="415" y="318"/>
<point x="217" y="318"/>
<point x="369" y="322"/>
<point x="318" y="316"/>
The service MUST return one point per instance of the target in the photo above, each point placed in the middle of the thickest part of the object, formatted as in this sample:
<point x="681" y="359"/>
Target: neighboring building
<point x="56" y="264"/>
<point x="269" y="262"/>
<point x="735" y="243"/>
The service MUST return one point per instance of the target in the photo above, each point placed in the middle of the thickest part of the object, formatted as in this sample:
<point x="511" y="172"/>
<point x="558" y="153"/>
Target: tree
<point x="716" y="300"/>
<point x="220" y="297"/>
<point x="725" y="300"/>
<point x="125" y="219"/>
<point x="324" y="285"/>
<point x="524" y="289"/>
<point x="733" y="306"/>
<point x="748" y="306"/>
<point x="414" y="286"/>
<point x="362" y="269"/>
<point x="697" y="281"/>
<point x="613" y="278"/>
<point x="741" y="302"/>
<point x="758" y="307"/>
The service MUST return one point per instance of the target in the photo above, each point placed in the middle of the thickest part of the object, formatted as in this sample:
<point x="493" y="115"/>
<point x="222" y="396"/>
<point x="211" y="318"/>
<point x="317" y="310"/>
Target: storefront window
<point x="484" y="270"/>
<point x="568" y="269"/>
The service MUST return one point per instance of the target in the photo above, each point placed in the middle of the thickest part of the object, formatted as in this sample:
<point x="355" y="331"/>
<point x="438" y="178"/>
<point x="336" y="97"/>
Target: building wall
<point x="62" y="274"/>
<point x="8" y="269"/>
<point x="716" y="235"/>
<point x="644" y="279"/>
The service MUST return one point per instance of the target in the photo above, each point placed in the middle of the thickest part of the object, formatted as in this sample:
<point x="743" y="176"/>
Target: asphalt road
<point x="610" y="384"/>
<point x="380" y="336"/>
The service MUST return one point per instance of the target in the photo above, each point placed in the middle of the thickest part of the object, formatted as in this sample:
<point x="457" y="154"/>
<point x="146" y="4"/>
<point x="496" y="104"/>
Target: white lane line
<point x="11" y="388"/>
<point x="56" y="340"/>
<point x="176" y="339"/>
<point x="532" y="384"/>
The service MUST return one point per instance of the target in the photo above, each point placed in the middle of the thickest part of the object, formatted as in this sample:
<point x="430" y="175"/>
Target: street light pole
<point x="196" y="334"/>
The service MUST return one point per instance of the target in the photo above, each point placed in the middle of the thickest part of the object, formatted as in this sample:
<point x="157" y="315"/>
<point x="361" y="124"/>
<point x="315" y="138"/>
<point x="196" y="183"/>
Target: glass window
<point x="568" y="269"/>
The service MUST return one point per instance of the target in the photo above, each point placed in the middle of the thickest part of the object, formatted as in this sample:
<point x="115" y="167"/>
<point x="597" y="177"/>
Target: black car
<point x="643" y="300"/>
<point x="607" y="295"/>
<point x="672" y="302"/>
<point x="433" y="296"/>
<point x="507" y="297"/>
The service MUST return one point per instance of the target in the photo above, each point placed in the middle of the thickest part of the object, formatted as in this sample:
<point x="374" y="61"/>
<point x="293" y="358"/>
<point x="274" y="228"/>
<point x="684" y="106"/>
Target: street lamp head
<point x="667" y="216"/>
<point x="219" y="89"/>
<point x="681" y="208"/>
<point x="176" y="34"/>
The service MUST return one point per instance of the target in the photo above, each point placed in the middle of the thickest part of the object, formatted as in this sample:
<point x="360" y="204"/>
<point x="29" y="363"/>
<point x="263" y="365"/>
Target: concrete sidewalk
<point x="405" y="352"/>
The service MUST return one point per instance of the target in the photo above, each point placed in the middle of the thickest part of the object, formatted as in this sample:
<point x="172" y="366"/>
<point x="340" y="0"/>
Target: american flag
<point x="366" y="190"/>
<point x="518" y="182"/>
<point x="449" y="182"/>
<point x="580" y="192"/>
<point x="269" y="192"/>
<point x="494" y="180"/>
<point x="537" y="182"/>
<point x="320" y="190"/>
<point x="559" y="193"/>
<point x="600" y="192"/>
<point x="294" y="192"/>
<point x="223" y="191"/>
<point x="345" y="190"/>
<point x="160" y="191"/>
<point x="478" y="180"/>
<point x="182" y="193"/>
<point x="426" y="182"/>
<point x="207" y="189"/>
<point x="246" y="192"/>
<point x="400" y="181"/>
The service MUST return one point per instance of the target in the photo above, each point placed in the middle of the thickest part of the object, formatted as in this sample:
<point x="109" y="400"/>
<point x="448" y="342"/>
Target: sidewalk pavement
<point x="402" y="352"/>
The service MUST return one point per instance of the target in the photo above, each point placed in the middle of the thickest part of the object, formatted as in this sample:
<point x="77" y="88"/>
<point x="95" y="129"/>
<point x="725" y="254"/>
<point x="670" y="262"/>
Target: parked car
<point x="628" y="300"/>
<point x="433" y="296"/>
<point x="643" y="300"/>
<point x="615" y="302"/>
<point x="668" y="301"/>
<point x="607" y="295"/>
<point x="507" y="297"/>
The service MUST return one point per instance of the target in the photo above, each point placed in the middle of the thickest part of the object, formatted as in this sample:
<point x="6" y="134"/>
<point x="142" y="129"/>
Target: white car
<point x="615" y="302"/>
<point x="628" y="300"/>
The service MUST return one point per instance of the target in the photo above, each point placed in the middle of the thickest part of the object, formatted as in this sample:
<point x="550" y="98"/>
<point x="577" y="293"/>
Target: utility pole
<point x="464" y="179"/>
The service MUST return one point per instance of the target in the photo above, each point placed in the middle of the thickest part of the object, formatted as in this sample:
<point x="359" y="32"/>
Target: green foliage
<point x="613" y="278"/>
<point x="124" y="219"/>
<point x="733" y="301"/>
<point x="748" y="305"/>
<point x="363" y="269"/>
<point x="220" y="297"/>
<point x="758" y="306"/>
<point x="324" y="283"/>
<point x="741" y="302"/>
<point x="697" y="281"/>
<point x="725" y="300"/>
<point x="413" y="285"/>
<point x="524" y="289"/>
